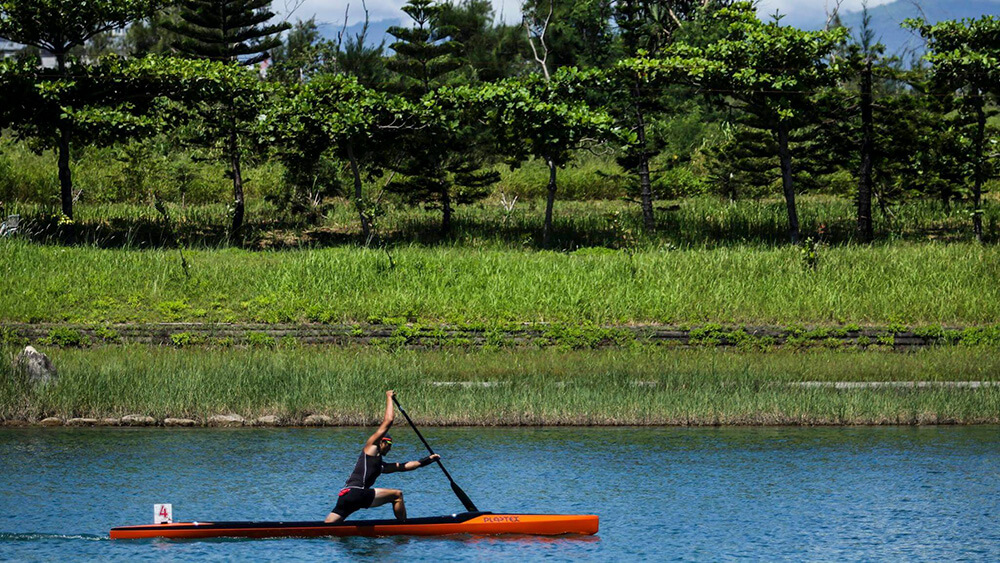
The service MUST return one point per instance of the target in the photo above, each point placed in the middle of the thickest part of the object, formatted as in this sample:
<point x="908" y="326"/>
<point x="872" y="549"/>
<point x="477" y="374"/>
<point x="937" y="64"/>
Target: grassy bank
<point x="909" y="284"/>
<point x="513" y="387"/>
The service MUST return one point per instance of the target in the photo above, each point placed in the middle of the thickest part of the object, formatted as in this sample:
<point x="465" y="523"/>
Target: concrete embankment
<point x="532" y="335"/>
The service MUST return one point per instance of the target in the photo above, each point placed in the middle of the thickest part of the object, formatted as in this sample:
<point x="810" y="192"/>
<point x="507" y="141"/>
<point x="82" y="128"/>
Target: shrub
<point x="65" y="338"/>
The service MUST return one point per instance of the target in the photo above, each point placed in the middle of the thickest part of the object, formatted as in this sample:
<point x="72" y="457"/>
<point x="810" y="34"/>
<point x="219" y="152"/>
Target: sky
<point x="332" y="11"/>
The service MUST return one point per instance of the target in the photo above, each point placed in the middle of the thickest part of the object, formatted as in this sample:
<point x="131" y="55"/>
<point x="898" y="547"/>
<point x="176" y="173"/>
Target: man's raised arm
<point x="386" y="421"/>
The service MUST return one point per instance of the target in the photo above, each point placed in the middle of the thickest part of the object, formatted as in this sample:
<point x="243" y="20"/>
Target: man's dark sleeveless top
<point x="368" y="468"/>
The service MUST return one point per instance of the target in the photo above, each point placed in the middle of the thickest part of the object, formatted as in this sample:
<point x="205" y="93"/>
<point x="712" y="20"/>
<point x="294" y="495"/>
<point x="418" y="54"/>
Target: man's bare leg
<point x="395" y="496"/>
<point x="333" y="518"/>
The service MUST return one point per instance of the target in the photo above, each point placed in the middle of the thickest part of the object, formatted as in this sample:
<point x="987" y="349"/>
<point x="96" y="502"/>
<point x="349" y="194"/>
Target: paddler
<point x="358" y="492"/>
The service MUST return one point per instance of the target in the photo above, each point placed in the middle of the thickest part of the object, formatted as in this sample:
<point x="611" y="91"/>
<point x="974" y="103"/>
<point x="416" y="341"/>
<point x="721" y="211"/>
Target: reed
<point x="636" y="387"/>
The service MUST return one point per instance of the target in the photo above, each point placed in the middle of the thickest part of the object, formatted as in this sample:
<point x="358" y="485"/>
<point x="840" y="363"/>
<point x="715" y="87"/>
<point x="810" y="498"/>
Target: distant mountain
<point x="886" y="20"/>
<point x="377" y="31"/>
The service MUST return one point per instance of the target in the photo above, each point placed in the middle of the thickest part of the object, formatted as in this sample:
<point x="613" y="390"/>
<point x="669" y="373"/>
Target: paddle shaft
<point x="469" y="505"/>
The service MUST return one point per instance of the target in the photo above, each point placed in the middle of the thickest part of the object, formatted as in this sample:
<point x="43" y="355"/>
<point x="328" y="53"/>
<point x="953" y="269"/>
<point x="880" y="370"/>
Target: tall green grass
<point x="913" y="284"/>
<point x="511" y="387"/>
<point x="696" y="222"/>
<point x="127" y="173"/>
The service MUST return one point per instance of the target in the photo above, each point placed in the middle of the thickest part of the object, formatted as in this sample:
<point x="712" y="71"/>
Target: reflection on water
<point x="665" y="493"/>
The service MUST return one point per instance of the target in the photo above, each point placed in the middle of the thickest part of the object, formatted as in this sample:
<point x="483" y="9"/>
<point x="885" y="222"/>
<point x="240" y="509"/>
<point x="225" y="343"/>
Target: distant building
<point x="8" y="49"/>
<point x="11" y="49"/>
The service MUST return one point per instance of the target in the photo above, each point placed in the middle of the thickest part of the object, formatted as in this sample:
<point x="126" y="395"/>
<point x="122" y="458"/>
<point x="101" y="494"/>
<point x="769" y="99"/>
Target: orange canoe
<point x="478" y="523"/>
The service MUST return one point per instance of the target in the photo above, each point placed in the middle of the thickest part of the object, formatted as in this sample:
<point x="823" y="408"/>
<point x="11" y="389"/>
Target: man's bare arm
<point x="409" y="465"/>
<point x="384" y="427"/>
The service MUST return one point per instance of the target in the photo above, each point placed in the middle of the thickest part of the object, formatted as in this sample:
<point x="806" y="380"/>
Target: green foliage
<point x="182" y="339"/>
<point x="965" y="58"/>
<point x="980" y="336"/>
<point x="810" y="251"/>
<point x="789" y="113"/>
<point x="577" y="34"/>
<point x="567" y="337"/>
<point x="425" y="52"/>
<point x="299" y="55"/>
<point x="532" y="117"/>
<point x="65" y="338"/>
<point x="490" y="50"/>
<point x="11" y="338"/>
<point x="226" y="30"/>
<point x="588" y="177"/>
<point x="107" y="335"/>
<point x="260" y="340"/>
<point x="59" y="25"/>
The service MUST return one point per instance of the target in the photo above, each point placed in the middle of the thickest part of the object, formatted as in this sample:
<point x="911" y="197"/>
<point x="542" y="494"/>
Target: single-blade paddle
<point x="466" y="501"/>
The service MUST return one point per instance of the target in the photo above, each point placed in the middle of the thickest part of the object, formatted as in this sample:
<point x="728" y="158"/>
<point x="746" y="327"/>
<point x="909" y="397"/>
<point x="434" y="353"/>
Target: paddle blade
<point x="466" y="501"/>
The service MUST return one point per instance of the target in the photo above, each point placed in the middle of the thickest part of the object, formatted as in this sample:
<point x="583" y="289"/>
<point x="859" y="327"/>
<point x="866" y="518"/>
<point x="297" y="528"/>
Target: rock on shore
<point x="35" y="366"/>
<point x="317" y="420"/>
<point x="226" y="420"/>
<point x="137" y="420"/>
<point x="184" y="422"/>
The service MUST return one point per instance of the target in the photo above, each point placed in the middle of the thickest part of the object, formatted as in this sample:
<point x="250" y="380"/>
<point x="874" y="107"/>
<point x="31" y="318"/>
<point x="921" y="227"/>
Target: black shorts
<point x="354" y="500"/>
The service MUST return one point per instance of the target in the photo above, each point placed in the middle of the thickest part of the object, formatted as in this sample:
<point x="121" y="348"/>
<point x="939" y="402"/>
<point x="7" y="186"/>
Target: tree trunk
<point x="65" y="175"/>
<point x="234" y="161"/>
<point x="358" y="201"/>
<point x="786" y="182"/>
<point x="865" y="228"/>
<point x="648" y="221"/>
<point x="446" y="211"/>
<point x="977" y="185"/>
<point x="549" y="203"/>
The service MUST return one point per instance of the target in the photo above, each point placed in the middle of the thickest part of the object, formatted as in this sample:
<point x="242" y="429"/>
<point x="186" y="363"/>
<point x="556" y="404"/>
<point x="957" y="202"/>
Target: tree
<point x="490" y="51"/>
<point x="867" y="54"/>
<point x="58" y="26"/>
<point x="443" y="156"/>
<point x="577" y="33"/>
<point x="965" y="59"/>
<point x="771" y="71"/>
<point x="425" y="53"/>
<point x="646" y="31"/>
<point x="740" y="161"/>
<point x="299" y="54"/>
<point x="226" y="30"/>
<point x="150" y="35"/>
<point x="352" y="55"/>
<point x="333" y="113"/>
<point x="855" y="130"/>
<point x="534" y="117"/>
<point x="232" y="32"/>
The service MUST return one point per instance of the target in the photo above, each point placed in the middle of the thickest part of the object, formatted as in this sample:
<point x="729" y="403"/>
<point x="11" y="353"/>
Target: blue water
<point x="791" y="494"/>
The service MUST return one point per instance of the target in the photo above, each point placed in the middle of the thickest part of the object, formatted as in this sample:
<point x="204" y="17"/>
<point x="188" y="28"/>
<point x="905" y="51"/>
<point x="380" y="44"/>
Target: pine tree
<point x="444" y="158"/>
<point x="227" y="30"/>
<point x="425" y="53"/>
